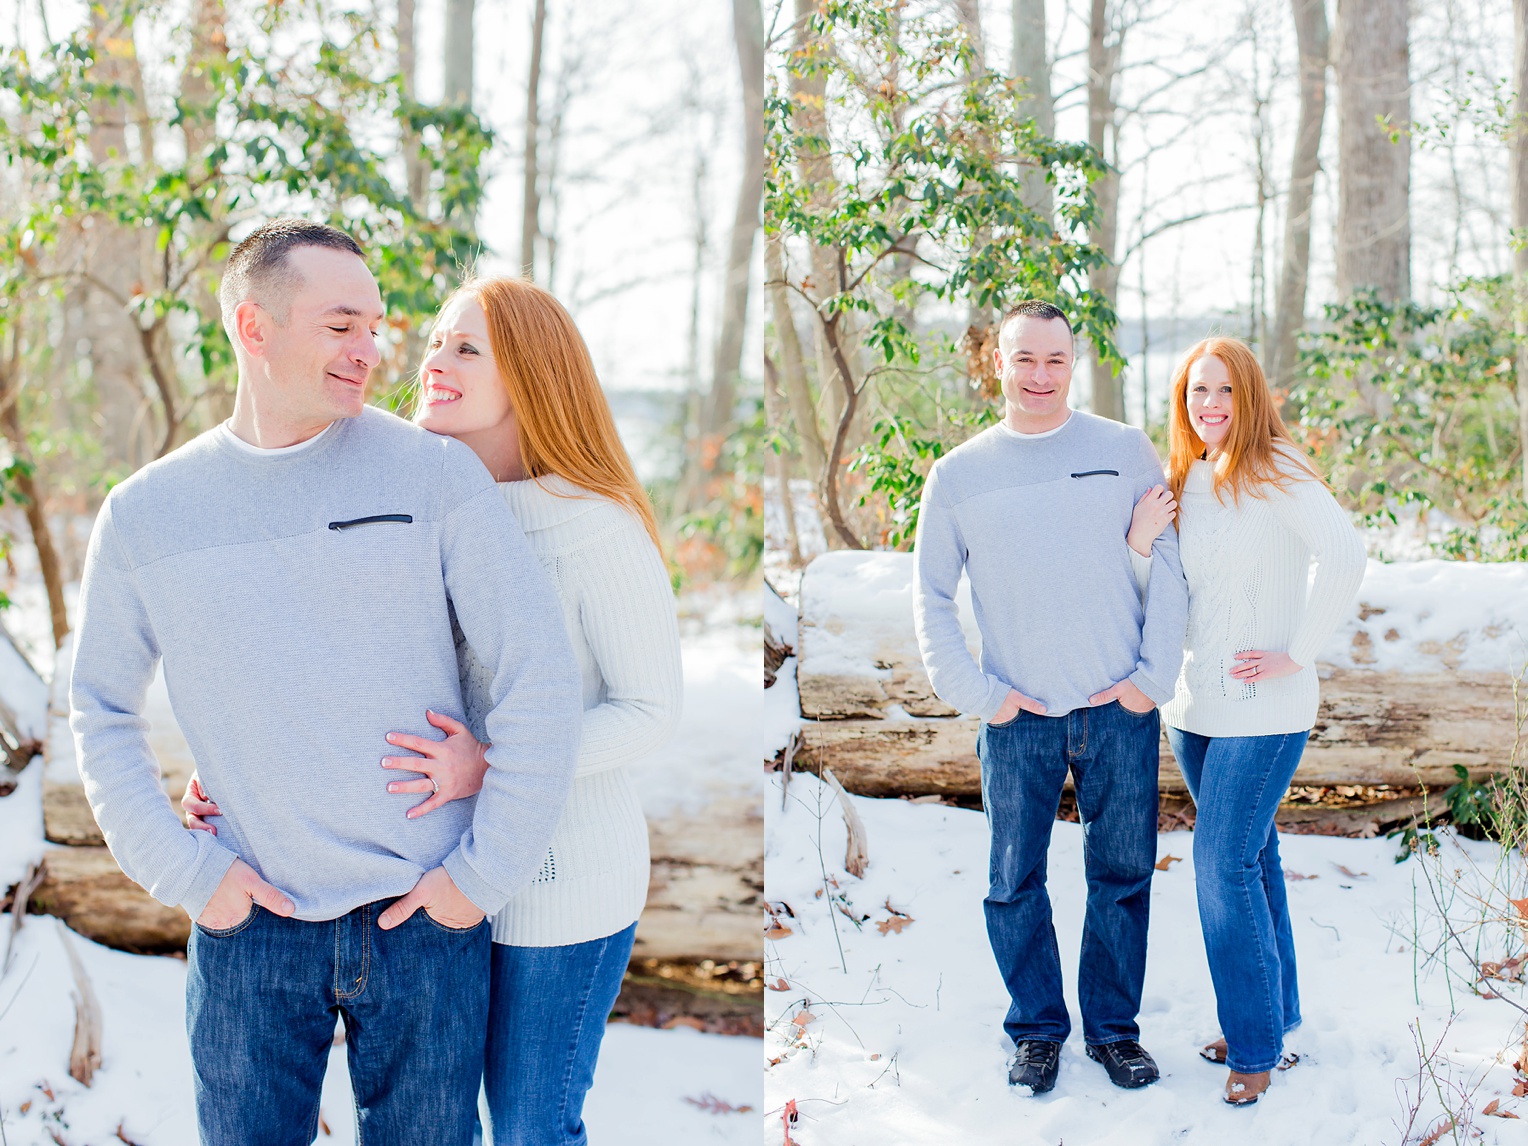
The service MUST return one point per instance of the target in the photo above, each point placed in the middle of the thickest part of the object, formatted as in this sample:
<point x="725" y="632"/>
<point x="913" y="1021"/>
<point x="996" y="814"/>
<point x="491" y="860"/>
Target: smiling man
<point x="297" y="570"/>
<point x="1035" y="511"/>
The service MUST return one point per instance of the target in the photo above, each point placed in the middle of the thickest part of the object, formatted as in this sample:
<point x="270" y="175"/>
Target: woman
<point x="1252" y="515"/>
<point x="508" y="375"/>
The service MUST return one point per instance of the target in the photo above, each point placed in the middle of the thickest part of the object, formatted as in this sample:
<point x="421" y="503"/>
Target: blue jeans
<point x="1237" y="783"/>
<point x="261" y="1002"/>
<point x="1113" y="756"/>
<point x="544" y="1030"/>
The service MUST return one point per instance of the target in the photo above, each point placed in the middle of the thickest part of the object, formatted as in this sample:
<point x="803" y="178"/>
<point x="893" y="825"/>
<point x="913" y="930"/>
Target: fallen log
<point x="1372" y="729"/>
<point x="86" y="889"/>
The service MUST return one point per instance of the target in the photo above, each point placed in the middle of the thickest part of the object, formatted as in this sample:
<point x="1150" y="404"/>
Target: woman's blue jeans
<point x="547" y="1013"/>
<point x="1237" y="783"/>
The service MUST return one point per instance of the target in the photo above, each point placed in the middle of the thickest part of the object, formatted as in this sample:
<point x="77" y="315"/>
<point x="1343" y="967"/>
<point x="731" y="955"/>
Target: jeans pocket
<point x="225" y="932"/>
<point x="446" y="927"/>
<point x="1138" y="715"/>
<point x="1009" y="723"/>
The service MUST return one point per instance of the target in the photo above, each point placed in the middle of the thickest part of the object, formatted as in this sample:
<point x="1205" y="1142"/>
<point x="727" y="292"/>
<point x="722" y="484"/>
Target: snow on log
<point x="1419" y="679"/>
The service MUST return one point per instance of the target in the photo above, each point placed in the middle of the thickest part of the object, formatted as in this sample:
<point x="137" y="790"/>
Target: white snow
<point x="906" y="1044"/>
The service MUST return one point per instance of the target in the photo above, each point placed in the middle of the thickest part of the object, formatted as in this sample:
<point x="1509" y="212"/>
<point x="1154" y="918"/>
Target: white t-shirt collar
<point x="239" y="443"/>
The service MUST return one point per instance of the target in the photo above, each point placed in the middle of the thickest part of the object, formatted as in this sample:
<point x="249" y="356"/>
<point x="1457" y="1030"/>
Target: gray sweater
<point x="291" y="648"/>
<point x="1039" y="526"/>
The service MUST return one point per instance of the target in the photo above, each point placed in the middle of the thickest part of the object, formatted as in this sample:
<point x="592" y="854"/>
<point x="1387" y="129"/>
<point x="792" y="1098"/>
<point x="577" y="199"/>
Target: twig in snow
<point x="85" y="1055"/>
<point x="29" y="883"/>
<point x="857" y="854"/>
<point x="791" y="747"/>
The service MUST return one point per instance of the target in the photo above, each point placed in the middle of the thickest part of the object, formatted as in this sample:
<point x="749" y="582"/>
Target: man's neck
<point x="1021" y="422"/>
<point x="268" y="430"/>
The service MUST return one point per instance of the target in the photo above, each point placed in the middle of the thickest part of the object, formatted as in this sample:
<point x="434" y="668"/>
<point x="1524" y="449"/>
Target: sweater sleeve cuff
<point x="997" y="693"/>
<point x="1303" y="654"/>
<point x="1141" y="567"/>
<point x="1153" y="691"/>
<point x="488" y="900"/>
<point x="211" y="867"/>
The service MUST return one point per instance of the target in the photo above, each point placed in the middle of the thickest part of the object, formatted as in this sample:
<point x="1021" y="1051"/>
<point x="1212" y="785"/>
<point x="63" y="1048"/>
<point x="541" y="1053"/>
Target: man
<point x="297" y="569"/>
<point x="1035" y="510"/>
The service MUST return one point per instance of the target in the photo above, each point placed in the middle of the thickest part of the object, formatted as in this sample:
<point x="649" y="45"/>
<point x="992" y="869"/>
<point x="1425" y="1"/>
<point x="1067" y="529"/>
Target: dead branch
<point x="85" y="1054"/>
<point x="857" y="854"/>
<point x="29" y="883"/>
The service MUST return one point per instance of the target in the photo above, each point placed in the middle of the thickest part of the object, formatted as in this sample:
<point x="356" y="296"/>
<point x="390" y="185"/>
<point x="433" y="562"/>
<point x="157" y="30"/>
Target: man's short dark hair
<point x="1034" y="308"/>
<point x="258" y="269"/>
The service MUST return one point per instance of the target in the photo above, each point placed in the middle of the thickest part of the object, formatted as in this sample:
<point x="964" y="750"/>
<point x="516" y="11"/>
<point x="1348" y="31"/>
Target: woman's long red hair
<point x="566" y="427"/>
<point x="1258" y="440"/>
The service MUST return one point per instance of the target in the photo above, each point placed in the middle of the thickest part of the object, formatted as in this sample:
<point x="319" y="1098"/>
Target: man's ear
<point x="997" y="359"/>
<point x="251" y="328"/>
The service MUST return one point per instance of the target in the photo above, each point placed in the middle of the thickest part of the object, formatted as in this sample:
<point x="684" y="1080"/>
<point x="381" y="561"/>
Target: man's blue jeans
<point x="547" y="1018"/>
<point x="1237" y="783"/>
<point x="1113" y="757"/>
<point x="261" y="1002"/>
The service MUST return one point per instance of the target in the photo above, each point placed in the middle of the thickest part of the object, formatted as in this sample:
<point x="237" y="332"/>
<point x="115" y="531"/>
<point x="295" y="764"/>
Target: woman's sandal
<point x="1215" y="1052"/>
<point x="1245" y="1089"/>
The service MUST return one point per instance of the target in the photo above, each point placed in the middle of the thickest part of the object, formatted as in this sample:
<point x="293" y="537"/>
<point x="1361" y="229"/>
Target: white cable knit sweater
<point x="1250" y="587"/>
<point x="619" y="610"/>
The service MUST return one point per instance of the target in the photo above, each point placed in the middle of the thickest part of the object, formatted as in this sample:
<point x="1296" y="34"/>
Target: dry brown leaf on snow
<point x="778" y="931"/>
<point x="804" y="1018"/>
<point x="1509" y="972"/>
<point x="1295" y="877"/>
<point x="1519" y="1088"/>
<point x="779" y="985"/>
<point x="122" y="1133"/>
<point x="1490" y="1107"/>
<point x="324" y="1126"/>
<point x="1352" y="874"/>
<point x="1437" y="1133"/>
<point x="895" y="923"/>
<point x="1167" y="861"/>
<point x="1521" y="905"/>
<point x="788" y="1119"/>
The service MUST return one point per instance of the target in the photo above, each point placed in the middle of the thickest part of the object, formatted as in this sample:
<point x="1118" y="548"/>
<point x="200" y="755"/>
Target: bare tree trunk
<point x="793" y="380"/>
<point x="978" y="316"/>
<point x="1289" y="309"/>
<point x="28" y="486"/>
<point x="530" y="214"/>
<point x="1520" y="220"/>
<point x="113" y="260"/>
<point x="1033" y="69"/>
<point x="413" y="163"/>
<point x="775" y="416"/>
<point x="209" y="51"/>
<point x="1103" y="69"/>
<point x="459" y="42"/>
<point x="1373" y="170"/>
<point x="748" y="33"/>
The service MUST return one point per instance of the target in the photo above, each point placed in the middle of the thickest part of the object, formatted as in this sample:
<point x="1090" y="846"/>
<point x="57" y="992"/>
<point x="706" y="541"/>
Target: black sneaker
<point x="1035" y="1065"/>
<point x="1127" y="1062"/>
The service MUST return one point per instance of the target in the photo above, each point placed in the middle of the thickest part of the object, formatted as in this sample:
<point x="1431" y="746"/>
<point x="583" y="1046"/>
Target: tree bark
<point x="1517" y="139"/>
<point x="726" y="364"/>
<point x="30" y="488"/>
<point x="1289" y="309"/>
<point x="413" y="164"/>
<point x="793" y="380"/>
<point x="1103" y="69"/>
<point x="113" y="259"/>
<point x="1373" y="171"/>
<point x="530" y="214"/>
<point x="978" y="316"/>
<point x="1031" y="66"/>
<point x="459" y="43"/>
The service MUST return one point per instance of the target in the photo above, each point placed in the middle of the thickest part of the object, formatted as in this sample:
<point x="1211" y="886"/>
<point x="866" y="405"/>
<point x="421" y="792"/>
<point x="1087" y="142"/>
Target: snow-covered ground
<point x="652" y="1086"/>
<point x="904" y="1043"/>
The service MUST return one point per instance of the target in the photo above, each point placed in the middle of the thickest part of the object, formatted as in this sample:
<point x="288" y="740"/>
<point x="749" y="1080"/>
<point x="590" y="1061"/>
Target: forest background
<point x="611" y="152"/>
<point x="1345" y="186"/>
